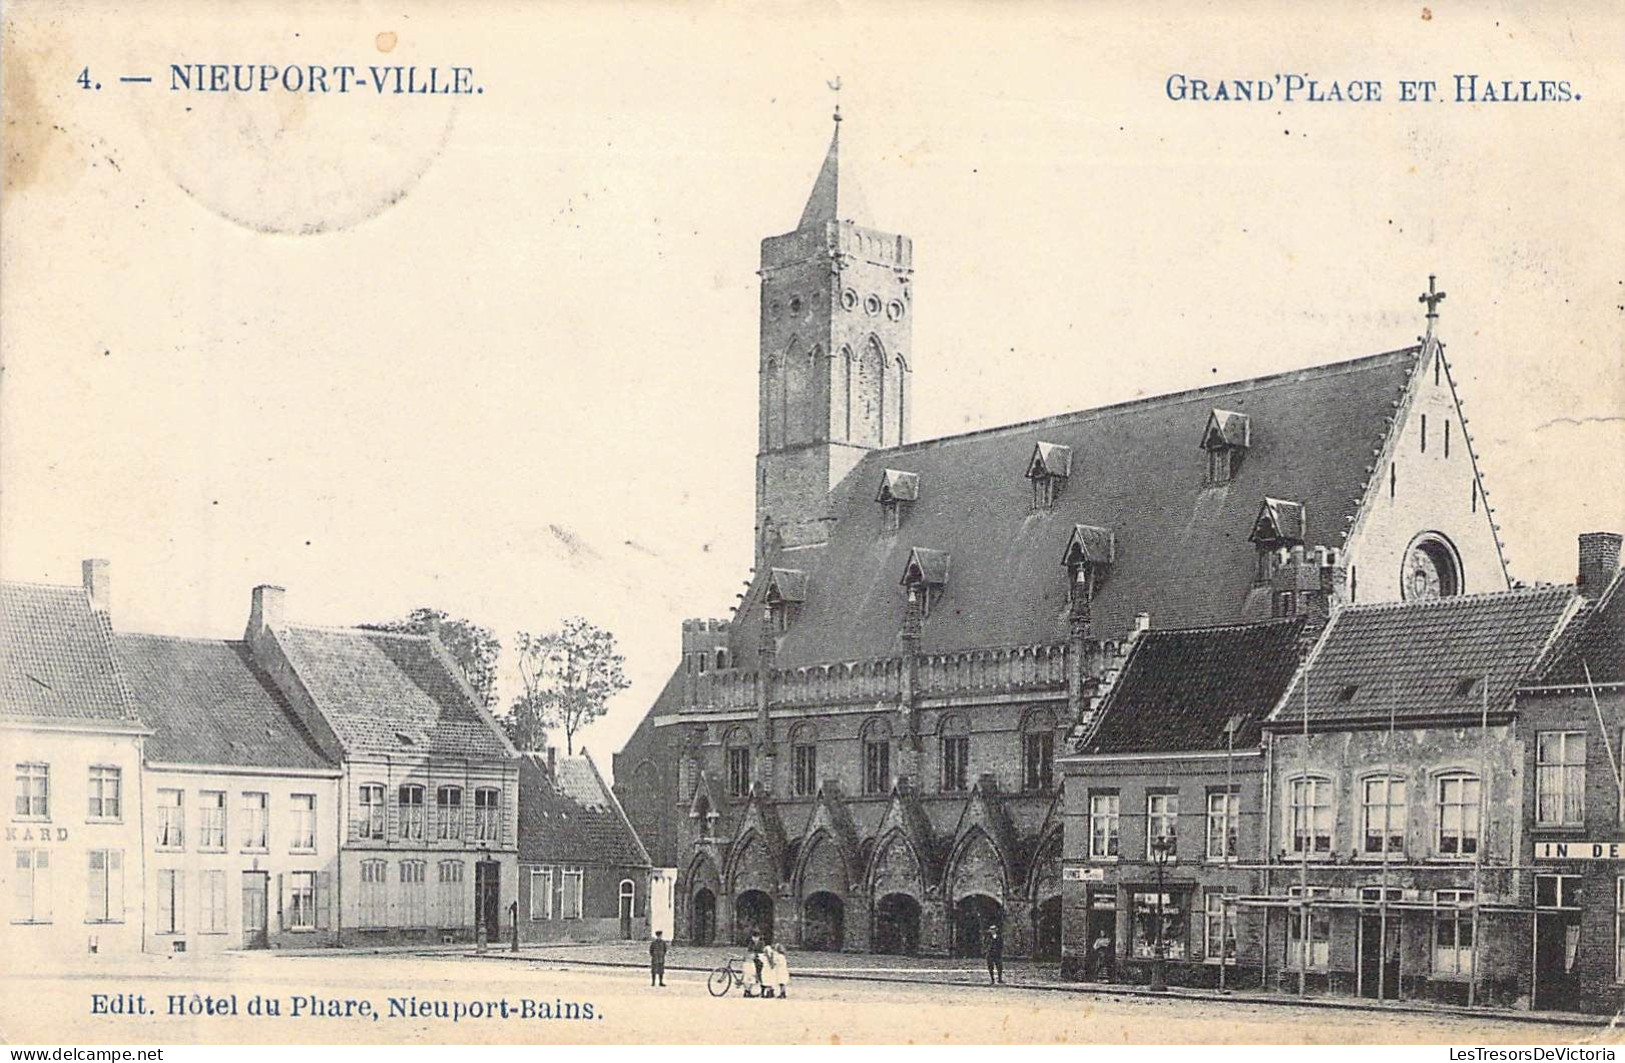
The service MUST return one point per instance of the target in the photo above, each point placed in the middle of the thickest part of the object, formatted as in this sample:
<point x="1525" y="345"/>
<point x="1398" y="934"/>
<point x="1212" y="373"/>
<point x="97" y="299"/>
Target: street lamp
<point x="1162" y="847"/>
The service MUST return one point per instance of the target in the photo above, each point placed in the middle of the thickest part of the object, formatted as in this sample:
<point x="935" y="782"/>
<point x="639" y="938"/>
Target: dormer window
<point x="898" y="493"/>
<point x="1225" y="439"/>
<point x="1279" y="525"/>
<point x="786" y="590"/>
<point x="925" y="576"/>
<point x="1048" y="469"/>
<point x="1090" y="551"/>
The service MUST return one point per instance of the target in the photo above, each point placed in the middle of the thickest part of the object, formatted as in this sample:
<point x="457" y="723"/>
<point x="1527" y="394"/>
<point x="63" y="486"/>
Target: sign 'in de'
<point x="1580" y="850"/>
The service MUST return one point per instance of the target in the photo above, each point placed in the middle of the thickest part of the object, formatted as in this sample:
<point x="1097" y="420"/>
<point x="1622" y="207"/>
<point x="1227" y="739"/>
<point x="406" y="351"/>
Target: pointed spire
<point x="835" y="196"/>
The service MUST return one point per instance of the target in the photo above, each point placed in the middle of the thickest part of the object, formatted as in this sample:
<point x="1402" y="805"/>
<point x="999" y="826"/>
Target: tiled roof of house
<point x="1441" y="657"/>
<point x="1180" y="689"/>
<point x="56" y="657"/>
<point x="570" y="816"/>
<point x="208" y="702"/>
<point x="1137" y="470"/>
<point x="383" y="692"/>
<point x="1597" y="644"/>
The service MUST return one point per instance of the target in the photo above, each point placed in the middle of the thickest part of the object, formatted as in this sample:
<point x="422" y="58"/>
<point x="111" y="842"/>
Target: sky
<point x="496" y="353"/>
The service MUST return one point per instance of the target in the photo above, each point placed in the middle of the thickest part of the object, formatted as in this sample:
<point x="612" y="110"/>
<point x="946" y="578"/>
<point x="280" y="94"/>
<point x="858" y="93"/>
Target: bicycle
<point x="726" y="977"/>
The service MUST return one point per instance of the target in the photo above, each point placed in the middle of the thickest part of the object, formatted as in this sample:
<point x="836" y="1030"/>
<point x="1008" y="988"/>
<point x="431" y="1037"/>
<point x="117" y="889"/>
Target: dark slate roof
<point x="1597" y="644"/>
<point x="1179" y="689"/>
<point x="208" y="702"/>
<point x="56" y="657"/>
<point x="1182" y="549"/>
<point x="1420" y="660"/>
<point x="383" y="692"/>
<point x="570" y="816"/>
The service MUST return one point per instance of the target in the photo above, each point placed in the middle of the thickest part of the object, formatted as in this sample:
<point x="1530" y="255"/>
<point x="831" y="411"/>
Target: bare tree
<point x="567" y="678"/>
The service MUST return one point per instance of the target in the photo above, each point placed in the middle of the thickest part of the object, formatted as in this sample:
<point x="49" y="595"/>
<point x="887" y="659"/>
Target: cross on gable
<point x="1432" y="297"/>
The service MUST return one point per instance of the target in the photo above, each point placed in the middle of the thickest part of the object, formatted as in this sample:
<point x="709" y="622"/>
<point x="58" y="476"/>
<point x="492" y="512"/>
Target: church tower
<point x="835" y="354"/>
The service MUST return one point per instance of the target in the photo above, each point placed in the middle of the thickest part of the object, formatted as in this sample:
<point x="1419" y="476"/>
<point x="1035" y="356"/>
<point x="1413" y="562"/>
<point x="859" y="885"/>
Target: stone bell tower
<point x="836" y="354"/>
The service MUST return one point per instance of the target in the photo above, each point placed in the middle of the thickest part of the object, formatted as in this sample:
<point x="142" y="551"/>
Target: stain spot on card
<point x="386" y="41"/>
<point x="1427" y="14"/>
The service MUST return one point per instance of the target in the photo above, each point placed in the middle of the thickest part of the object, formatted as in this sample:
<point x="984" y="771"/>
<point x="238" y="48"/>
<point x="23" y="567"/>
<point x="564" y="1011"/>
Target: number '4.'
<point x="84" y="78"/>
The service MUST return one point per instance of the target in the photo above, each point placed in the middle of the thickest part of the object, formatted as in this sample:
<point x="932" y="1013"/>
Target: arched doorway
<point x="1047" y="930"/>
<point x="753" y="910"/>
<point x="702" y="920"/>
<point x="897" y="925"/>
<point x="972" y="916"/>
<point x="823" y="923"/>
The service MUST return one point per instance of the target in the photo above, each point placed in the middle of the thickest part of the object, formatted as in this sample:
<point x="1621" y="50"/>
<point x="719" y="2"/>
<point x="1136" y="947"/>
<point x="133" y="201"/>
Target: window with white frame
<point x="448" y="801"/>
<point x="541" y="893"/>
<point x="374" y="892"/>
<point x="487" y="814"/>
<point x="1161" y="821"/>
<point x="1315" y="950"/>
<point x="171" y="901"/>
<point x="256" y="819"/>
<point x="1104" y="826"/>
<point x="1383" y="814"/>
<point x="1223" y="826"/>
<point x="450" y="904"/>
<point x="414" y="893"/>
<point x="1453" y="933"/>
<point x="411" y="812"/>
<point x="171" y="814"/>
<point x="1561" y="892"/>
<point x="1619" y="930"/>
<point x="104" y="893"/>
<point x="212" y="903"/>
<point x="570" y="883"/>
<point x="1560" y="759"/>
<point x="302" y="900"/>
<point x="1458" y="813"/>
<point x="1219" y="925"/>
<point x="304" y="822"/>
<point x="33" y="792"/>
<point x="106" y="793"/>
<point x="211" y="819"/>
<point x="1310" y="814"/>
<point x="31" y="888"/>
<point x="370" y="814"/>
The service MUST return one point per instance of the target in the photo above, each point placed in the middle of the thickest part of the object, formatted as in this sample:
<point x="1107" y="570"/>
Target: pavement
<point x="1020" y="974"/>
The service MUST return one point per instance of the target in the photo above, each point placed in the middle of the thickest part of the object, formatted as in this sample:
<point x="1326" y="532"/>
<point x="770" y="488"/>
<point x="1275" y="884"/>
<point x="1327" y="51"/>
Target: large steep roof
<point x="208" y="702"/>
<point x="56" y="658"/>
<point x="1182" y="552"/>
<point x="1596" y="651"/>
<point x="383" y="692"/>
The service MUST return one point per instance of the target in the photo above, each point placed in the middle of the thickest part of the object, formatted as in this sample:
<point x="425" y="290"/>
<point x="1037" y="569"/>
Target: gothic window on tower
<point x="1225" y="439"/>
<point x="1049" y="468"/>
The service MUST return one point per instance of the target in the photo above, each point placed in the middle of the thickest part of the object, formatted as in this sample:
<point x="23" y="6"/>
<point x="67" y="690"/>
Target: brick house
<point x="1173" y="752"/>
<point x="241" y="808"/>
<point x="429" y="795"/>
<point x="1394" y="839"/>
<point x="70" y="880"/>
<point x="862" y="756"/>
<point x="1572" y="718"/>
<point x="583" y="874"/>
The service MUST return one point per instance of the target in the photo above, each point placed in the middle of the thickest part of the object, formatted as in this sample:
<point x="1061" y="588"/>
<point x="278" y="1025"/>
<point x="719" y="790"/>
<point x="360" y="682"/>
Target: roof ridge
<point x="1554" y="591"/>
<point x="1245" y="625"/>
<point x="42" y="585"/>
<point x="353" y="629"/>
<point x="177" y="638"/>
<point x="1167" y="398"/>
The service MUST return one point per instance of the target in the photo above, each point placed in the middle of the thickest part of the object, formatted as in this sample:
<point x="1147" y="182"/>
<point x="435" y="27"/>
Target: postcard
<point x="484" y="561"/>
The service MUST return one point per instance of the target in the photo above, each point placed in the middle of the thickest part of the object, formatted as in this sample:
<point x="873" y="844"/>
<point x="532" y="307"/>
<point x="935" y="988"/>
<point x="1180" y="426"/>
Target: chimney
<point x="265" y="613"/>
<point x="1599" y="560"/>
<point x="98" y="584"/>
